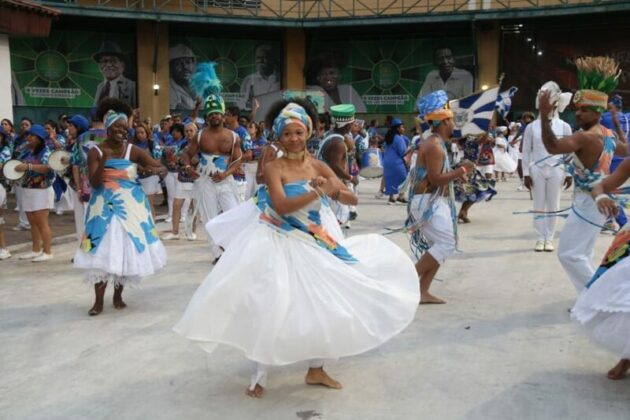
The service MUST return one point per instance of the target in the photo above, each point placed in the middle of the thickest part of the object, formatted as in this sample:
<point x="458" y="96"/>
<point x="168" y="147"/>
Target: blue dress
<point x="394" y="168"/>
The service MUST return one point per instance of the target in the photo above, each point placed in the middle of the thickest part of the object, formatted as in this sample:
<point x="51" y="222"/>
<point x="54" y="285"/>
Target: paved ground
<point x="502" y="348"/>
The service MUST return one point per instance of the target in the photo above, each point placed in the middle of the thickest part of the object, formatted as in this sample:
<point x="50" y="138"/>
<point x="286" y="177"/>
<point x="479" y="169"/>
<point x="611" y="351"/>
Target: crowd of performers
<point x="292" y="196"/>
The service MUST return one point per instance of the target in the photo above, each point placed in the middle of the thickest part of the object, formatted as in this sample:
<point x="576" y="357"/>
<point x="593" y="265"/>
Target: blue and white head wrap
<point x="432" y="107"/>
<point x="290" y="114"/>
<point x="112" y="116"/>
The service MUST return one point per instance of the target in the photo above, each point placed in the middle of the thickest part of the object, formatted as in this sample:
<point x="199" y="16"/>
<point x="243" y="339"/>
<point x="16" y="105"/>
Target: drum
<point x="59" y="160"/>
<point x="371" y="164"/>
<point x="9" y="171"/>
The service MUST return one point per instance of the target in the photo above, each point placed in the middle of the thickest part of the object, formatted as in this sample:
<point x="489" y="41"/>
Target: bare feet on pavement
<point x="317" y="376"/>
<point x="257" y="392"/>
<point x="428" y="298"/>
<point x="620" y="370"/>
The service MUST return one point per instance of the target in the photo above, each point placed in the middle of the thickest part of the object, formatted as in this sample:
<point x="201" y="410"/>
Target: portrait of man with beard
<point x="182" y="65"/>
<point x="111" y="62"/>
<point x="456" y="82"/>
<point x="323" y="72"/>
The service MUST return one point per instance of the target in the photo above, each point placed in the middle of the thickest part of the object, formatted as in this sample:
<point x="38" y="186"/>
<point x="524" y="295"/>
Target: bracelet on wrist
<point x="600" y="197"/>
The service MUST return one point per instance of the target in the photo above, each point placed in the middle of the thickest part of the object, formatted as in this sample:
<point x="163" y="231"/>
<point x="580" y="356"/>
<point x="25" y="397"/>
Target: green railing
<point x="318" y="12"/>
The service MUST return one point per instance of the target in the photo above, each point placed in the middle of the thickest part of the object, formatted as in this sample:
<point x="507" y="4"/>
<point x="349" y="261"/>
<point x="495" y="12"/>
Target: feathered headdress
<point x="206" y="84"/>
<point x="597" y="78"/>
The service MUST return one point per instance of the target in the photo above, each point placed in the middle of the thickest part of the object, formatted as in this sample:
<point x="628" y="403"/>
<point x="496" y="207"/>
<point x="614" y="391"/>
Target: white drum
<point x="10" y="172"/>
<point x="59" y="160"/>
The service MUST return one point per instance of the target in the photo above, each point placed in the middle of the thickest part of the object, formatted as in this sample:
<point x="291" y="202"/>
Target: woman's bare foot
<point x="317" y="376"/>
<point x="257" y="392"/>
<point x="99" y="294"/>
<point x="118" y="301"/>
<point x="620" y="370"/>
<point x="96" y="309"/>
<point x="428" y="298"/>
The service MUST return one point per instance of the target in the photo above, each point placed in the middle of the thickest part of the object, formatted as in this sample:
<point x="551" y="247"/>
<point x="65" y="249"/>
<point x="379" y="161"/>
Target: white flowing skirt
<point x="503" y="162"/>
<point x="118" y="260"/>
<point x="603" y="310"/>
<point x="282" y="300"/>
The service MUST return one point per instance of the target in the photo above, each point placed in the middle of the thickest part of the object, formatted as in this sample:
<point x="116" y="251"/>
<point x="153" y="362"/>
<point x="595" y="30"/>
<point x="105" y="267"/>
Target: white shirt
<point x="534" y="151"/>
<point x="458" y="85"/>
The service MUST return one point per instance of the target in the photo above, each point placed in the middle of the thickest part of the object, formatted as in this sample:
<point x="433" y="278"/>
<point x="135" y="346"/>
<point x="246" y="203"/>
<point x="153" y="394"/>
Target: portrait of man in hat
<point x="265" y="80"/>
<point x="182" y="65"/>
<point x="323" y="72"/>
<point x="456" y="82"/>
<point x="111" y="62"/>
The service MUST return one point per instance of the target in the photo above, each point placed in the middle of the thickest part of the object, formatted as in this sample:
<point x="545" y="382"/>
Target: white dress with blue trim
<point x="120" y="243"/>
<point x="285" y="290"/>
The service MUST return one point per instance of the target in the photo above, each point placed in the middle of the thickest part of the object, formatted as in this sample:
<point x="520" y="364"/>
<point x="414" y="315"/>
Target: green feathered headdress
<point x="206" y="84"/>
<point x="597" y="78"/>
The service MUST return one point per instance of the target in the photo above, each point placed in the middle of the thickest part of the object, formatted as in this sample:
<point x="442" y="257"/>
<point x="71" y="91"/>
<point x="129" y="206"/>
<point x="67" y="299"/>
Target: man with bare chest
<point x="219" y="153"/>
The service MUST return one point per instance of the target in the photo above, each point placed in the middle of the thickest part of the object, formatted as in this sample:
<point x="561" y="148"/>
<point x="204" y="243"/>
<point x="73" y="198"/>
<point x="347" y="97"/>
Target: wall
<point x="151" y="105"/>
<point x="6" y="108"/>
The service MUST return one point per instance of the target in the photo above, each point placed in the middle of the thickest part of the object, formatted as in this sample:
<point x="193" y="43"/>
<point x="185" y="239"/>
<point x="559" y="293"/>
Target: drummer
<point x="37" y="198"/>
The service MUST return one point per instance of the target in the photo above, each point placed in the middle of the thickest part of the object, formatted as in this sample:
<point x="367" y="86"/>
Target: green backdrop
<point x="59" y="71"/>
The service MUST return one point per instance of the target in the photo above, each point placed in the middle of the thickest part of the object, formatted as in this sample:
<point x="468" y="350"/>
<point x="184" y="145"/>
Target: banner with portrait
<point x="532" y="58"/>
<point x="249" y="70"/>
<point x="388" y="75"/>
<point x="73" y="69"/>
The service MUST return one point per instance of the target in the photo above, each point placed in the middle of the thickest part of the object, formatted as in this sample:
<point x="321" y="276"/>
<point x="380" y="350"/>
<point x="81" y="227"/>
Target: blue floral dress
<point x="120" y="242"/>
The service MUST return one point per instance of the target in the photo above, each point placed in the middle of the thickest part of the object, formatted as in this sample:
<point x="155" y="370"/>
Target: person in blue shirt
<point x="394" y="166"/>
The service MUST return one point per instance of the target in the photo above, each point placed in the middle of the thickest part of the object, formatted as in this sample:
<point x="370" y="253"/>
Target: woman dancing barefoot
<point x="603" y="307"/>
<point x="120" y="243"/>
<point x="307" y="297"/>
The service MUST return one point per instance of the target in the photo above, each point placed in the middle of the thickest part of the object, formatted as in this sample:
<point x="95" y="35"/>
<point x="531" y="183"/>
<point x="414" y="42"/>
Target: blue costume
<point x="394" y="168"/>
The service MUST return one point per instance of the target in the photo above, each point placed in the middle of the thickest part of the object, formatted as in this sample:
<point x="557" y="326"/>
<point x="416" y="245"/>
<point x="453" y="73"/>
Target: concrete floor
<point x="502" y="348"/>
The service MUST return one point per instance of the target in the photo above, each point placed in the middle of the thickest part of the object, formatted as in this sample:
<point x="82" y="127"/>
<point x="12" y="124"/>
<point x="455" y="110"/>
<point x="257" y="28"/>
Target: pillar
<point x="488" y="37"/>
<point x="294" y="59"/>
<point x="147" y="40"/>
<point x="6" y="97"/>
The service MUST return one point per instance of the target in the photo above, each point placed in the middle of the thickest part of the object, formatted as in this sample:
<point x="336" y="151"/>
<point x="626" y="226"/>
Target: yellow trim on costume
<point x="439" y="115"/>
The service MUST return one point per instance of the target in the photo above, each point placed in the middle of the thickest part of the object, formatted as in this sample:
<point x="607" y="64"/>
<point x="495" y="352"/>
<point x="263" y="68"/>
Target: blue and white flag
<point x="473" y="113"/>
<point x="504" y="102"/>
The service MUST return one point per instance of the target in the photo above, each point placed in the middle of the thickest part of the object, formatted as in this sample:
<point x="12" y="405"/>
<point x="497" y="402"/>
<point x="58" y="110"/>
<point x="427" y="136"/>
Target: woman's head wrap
<point x="434" y="106"/>
<point x="292" y="113"/>
<point x="597" y="78"/>
<point x="112" y="116"/>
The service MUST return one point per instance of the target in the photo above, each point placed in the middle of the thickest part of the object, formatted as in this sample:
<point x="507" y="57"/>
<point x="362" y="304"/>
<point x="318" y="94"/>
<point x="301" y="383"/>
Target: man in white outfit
<point x="592" y="149"/>
<point x="543" y="173"/>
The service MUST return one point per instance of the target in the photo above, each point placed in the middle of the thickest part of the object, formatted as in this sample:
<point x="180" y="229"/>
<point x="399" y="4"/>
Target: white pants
<point x="213" y="198"/>
<point x="438" y="229"/>
<point x="20" y="205"/>
<point x="260" y="374"/>
<point x="170" y="182"/>
<point x="79" y="214"/>
<point x="577" y="240"/>
<point x="250" y="169"/>
<point x="355" y="190"/>
<point x="546" y="193"/>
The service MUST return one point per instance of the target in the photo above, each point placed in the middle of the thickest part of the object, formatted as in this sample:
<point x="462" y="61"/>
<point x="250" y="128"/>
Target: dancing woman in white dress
<point x="307" y="297"/>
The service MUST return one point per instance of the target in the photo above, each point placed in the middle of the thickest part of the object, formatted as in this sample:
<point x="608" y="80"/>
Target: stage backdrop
<point x="248" y="69"/>
<point x="72" y="68"/>
<point x="387" y="75"/>
<point x="560" y="47"/>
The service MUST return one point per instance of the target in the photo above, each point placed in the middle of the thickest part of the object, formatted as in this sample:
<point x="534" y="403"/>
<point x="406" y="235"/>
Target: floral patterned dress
<point x="120" y="242"/>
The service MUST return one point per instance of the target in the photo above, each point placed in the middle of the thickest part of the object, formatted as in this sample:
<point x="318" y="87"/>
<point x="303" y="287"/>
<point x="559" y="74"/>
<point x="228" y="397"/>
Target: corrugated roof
<point x="30" y="6"/>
